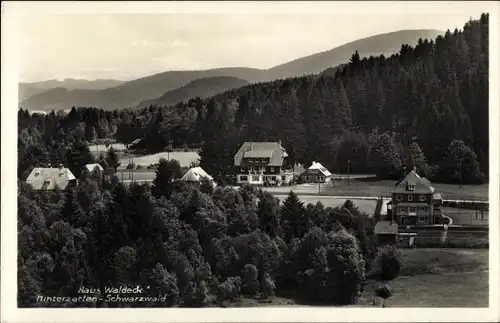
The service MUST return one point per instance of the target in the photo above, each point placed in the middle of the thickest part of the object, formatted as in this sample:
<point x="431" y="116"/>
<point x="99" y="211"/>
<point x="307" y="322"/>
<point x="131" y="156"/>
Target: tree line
<point x="194" y="245"/>
<point x="426" y="106"/>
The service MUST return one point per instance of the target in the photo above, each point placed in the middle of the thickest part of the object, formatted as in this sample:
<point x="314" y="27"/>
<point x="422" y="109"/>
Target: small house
<point x="93" y="167"/>
<point x="316" y="173"/>
<point x="386" y="232"/>
<point x="195" y="174"/>
<point x="46" y="178"/>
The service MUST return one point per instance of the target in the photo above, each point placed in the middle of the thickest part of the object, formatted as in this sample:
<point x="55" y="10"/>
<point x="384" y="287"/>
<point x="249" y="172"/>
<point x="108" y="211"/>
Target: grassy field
<point x="466" y="217"/>
<point x="367" y="206"/>
<point x="184" y="158"/>
<point x="429" y="278"/>
<point x="381" y="188"/>
<point x="97" y="149"/>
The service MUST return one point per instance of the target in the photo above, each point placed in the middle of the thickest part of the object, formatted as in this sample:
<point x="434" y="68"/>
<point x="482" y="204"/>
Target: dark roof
<point x="271" y="150"/>
<point x="386" y="227"/>
<point x="422" y="185"/>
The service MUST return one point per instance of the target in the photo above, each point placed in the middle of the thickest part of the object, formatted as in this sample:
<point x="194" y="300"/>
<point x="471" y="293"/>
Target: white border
<point x="9" y="68"/>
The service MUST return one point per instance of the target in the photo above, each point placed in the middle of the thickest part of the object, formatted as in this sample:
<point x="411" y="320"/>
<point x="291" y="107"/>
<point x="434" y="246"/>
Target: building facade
<point x="261" y="163"/>
<point x="414" y="202"/>
<point x="317" y="173"/>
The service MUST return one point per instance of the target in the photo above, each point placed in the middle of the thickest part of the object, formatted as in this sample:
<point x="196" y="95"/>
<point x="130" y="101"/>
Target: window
<point x="422" y="208"/>
<point x="255" y="178"/>
<point x="242" y="169"/>
<point x="283" y="178"/>
<point x="422" y="219"/>
<point x="422" y="198"/>
<point x="413" y="209"/>
<point x="271" y="169"/>
<point x="410" y="198"/>
<point x="306" y="178"/>
<point x="273" y="178"/>
<point x="244" y="178"/>
<point x="402" y="210"/>
<point x="411" y="187"/>
<point x="399" y="198"/>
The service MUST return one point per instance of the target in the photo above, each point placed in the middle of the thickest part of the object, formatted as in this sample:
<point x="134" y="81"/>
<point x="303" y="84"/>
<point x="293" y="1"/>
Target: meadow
<point x="429" y="278"/>
<point x="374" y="188"/>
<point x="185" y="159"/>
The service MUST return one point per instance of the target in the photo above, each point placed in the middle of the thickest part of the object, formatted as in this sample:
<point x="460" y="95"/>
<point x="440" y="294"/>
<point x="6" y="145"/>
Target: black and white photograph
<point x="281" y="157"/>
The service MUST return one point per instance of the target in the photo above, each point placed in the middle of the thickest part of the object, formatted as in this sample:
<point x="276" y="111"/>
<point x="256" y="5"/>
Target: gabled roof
<point x="272" y="150"/>
<point x="386" y="227"/>
<point x="195" y="174"/>
<point x="92" y="167"/>
<point x="49" y="178"/>
<point x="321" y="168"/>
<point x="422" y="184"/>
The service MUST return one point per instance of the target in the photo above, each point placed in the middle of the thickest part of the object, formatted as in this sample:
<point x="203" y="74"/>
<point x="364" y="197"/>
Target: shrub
<point x="384" y="292"/>
<point x="330" y="267"/>
<point x="388" y="263"/>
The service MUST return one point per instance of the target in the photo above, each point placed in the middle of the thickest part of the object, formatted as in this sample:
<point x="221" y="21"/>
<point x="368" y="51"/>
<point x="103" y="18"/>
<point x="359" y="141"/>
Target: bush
<point x="229" y="290"/>
<point x="330" y="267"/>
<point x="384" y="292"/>
<point x="388" y="263"/>
<point x="131" y="166"/>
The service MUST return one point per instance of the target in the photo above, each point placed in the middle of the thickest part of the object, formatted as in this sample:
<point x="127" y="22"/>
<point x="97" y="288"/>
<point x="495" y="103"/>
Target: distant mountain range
<point x="174" y="86"/>
<point x="27" y="90"/>
<point x="204" y="87"/>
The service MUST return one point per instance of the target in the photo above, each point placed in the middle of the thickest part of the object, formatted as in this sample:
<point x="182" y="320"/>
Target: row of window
<point x="258" y="160"/>
<point x="256" y="178"/>
<point x="257" y="169"/>
<point x="403" y="209"/>
<point x="419" y="219"/>
<point x="410" y="198"/>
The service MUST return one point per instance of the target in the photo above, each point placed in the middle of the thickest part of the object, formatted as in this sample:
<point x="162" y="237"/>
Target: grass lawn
<point x="382" y="188"/>
<point x="184" y="158"/>
<point x="466" y="217"/>
<point x="429" y="278"/>
<point x="445" y="290"/>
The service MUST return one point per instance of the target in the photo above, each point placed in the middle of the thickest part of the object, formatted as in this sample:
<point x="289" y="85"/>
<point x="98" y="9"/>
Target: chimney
<point x="279" y="142"/>
<point x="61" y="166"/>
<point x="415" y="169"/>
<point x="49" y="165"/>
<point x="251" y="145"/>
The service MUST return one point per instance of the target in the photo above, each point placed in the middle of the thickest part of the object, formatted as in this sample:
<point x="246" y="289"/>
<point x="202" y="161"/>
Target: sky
<point x="126" y="46"/>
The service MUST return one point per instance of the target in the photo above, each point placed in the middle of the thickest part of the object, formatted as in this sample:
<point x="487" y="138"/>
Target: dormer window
<point x="411" y="187"/>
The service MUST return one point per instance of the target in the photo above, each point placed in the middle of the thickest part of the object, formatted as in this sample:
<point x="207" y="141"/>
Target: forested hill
<point x="425" y="106"/>
<point x="204" y="87"/>
<point x="131" y="93"/>
<point x="383" y="44"/>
